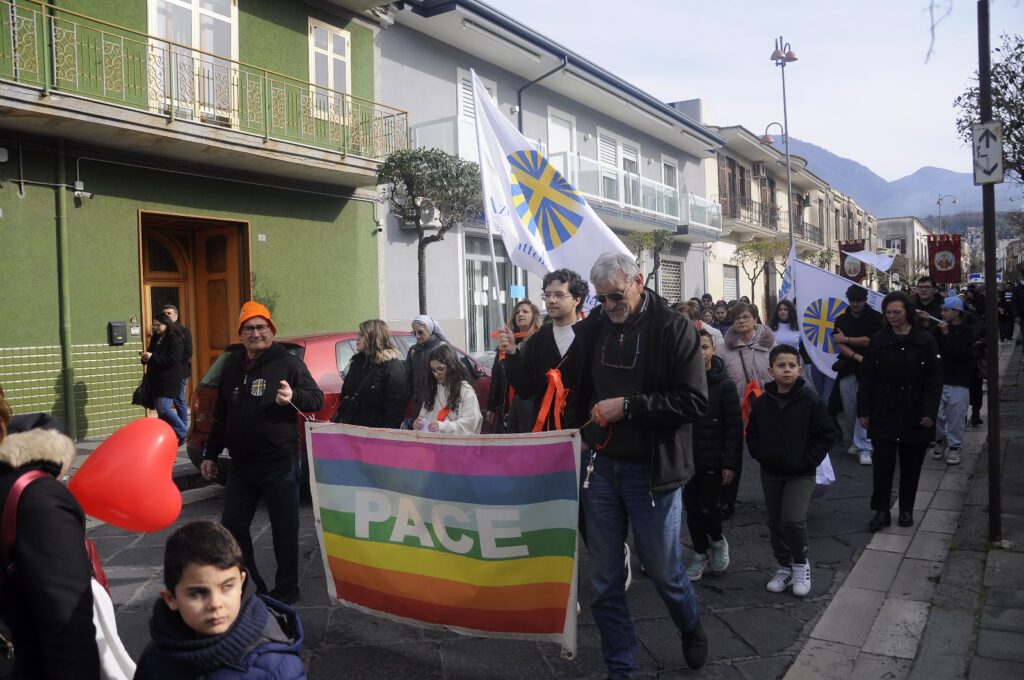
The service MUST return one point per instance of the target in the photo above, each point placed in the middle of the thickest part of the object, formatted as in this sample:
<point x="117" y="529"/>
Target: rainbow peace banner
<point x="472" y="534"/>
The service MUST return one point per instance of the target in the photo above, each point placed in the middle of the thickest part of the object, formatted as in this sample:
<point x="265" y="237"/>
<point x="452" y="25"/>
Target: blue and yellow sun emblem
<point x="544" y="200"/>
<point x="819" y="321"/>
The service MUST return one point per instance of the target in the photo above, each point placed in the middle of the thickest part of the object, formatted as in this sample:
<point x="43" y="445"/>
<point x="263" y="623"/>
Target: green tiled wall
<point x="105" y="378"/>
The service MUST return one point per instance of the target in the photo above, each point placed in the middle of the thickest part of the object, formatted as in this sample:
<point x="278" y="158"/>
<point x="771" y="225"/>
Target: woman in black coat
<point x="428" y="336"/>
<point x="165" y="367"/>
<point x="507" y="411"/>
<point x="898" y="402"/>
<point x="374" y="391"/>
<point x="46" y="608"/>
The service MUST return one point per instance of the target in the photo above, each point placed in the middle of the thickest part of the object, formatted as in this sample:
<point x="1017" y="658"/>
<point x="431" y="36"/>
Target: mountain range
<point x="913" y="195"/>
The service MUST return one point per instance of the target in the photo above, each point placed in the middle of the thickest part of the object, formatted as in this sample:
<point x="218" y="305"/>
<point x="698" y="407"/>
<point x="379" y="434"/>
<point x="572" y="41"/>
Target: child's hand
<point x="417" y="424"/>
<point x="434" y="427"/>
<point x="727" y="476"/>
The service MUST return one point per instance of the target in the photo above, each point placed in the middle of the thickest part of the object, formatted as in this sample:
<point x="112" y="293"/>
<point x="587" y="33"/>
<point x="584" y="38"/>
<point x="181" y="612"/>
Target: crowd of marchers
<point x="669" y="399"/>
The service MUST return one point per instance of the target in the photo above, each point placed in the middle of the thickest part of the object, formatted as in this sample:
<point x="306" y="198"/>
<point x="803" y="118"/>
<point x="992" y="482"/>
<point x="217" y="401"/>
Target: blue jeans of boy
<point x="165" y="411"/>
<point x="620" y="498"/>
<point x="180" y="405"/>
<point x="952" y="418"/>
<point x="858" y="434"/>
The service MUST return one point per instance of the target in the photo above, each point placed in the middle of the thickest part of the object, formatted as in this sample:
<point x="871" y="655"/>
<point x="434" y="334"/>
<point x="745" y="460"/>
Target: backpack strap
<point x="9" y="522"/>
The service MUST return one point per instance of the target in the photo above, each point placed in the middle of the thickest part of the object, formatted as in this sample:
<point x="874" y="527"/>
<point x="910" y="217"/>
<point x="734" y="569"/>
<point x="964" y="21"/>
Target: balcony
<point x="807" y="231"/>
<point x="744" y="212"/>
<point x="617" y="188"/>
<point x="71" y="56"/>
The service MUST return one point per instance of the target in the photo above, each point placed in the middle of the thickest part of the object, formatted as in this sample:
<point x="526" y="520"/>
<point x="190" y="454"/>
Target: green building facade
<point x="201" y="152"/>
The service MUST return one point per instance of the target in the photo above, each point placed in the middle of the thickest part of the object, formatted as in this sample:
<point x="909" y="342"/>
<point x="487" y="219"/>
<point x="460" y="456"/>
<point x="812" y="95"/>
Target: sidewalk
<point x="935" y="601"/>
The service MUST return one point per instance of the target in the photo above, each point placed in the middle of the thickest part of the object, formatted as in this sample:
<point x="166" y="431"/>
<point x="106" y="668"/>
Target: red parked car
<point x="326" y="356"/>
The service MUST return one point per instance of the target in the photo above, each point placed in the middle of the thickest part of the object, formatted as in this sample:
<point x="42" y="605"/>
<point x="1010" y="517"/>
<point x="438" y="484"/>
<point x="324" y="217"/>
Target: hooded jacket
<point x="789" y="434"/>
<point x="718" y="435"/>
<point x="247" y="418"/>
<point x="745" y="362"/>
<point x="46" y="609"/>
<point x="900" y="383"/>
<point x="674" y="390"/>
<point x="264" y="642"/>
<point x="955" y="346"/>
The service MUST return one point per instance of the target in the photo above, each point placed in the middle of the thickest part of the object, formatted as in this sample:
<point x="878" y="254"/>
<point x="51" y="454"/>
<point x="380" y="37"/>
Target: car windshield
<point x="212" y="377"/>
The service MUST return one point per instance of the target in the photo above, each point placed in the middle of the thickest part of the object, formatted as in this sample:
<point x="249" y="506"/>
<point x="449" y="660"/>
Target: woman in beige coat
<point x="745" y="352"/>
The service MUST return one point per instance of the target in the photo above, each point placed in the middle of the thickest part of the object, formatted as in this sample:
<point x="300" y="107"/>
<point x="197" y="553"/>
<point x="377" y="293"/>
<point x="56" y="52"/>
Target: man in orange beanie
<point x="260" y="390"/>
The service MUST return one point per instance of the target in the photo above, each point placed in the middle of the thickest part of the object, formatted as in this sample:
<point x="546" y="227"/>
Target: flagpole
<point x="495" y="294"/>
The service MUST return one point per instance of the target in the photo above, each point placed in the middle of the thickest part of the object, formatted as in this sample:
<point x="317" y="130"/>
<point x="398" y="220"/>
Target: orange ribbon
<point x="754" y="389"/>
<point x="553" y="403"/>
<point x="442" y="414"/>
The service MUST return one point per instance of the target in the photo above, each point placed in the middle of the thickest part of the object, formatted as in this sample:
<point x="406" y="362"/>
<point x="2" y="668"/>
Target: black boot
<point x="906" y="518"/>
<point x="881" y="519"/>
<point x="976" y="420"/>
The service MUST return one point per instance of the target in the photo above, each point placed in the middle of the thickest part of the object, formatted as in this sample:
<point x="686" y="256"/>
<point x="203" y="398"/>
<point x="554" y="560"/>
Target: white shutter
<point x="607" y="151"/>
<point x="630" y="158"/>
<point x="670" y="280"/>
<point x="730" y="282"/>
<point x="467" y="110"/>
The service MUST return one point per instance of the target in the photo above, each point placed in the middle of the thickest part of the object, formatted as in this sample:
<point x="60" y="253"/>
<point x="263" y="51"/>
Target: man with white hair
<point x="639" y="377"/>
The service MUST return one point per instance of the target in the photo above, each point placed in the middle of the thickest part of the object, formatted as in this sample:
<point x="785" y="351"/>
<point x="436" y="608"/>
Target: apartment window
<point x="669" y="203"/>
<point x="619" y="162"/>
<point x="730" y="282"/>
<point x="466" y="111"/>
<point x="562" y="145"/>
<point x="330" y="67"/>
<point x="207" y="25"/>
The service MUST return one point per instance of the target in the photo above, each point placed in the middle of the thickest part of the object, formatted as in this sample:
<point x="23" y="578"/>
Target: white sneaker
<point x="720" y="555"/>
<point x="953" y="455"/>
<point x="697" y="568"/>
<point x="852" y="450"/>
<point x="629" y="568"/>
<point x="783" y="577"/>
<point x="865" y="458"/>
<point x="935" y="449"/>
<point x="802" y="579"/>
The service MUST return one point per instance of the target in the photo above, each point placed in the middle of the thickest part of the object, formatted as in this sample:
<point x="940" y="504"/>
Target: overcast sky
<point x="861" y="87"/>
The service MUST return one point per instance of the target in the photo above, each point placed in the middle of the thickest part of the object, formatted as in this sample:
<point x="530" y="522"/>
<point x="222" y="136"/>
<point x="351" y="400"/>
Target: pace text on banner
<point x="543" y="220"/>
<point x="472" y="534"/>
<point x="820" y="298"/>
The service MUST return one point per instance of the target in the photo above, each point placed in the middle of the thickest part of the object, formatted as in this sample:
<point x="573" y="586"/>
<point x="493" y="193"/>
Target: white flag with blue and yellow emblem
<point x="820" y="298"/>
<point x="543" y="220"/>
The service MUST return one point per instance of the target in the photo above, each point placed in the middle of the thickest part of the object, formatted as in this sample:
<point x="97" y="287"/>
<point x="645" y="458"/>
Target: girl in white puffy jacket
<point x="451" y="405"/>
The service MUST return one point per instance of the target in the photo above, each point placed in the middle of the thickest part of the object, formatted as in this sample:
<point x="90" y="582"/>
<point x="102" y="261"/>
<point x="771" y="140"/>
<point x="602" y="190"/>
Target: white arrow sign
<point x="988" y="152"/>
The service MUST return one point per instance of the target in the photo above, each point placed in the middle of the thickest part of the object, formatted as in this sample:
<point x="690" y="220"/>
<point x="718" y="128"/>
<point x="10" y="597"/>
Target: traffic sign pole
<point x="988" y="203"/>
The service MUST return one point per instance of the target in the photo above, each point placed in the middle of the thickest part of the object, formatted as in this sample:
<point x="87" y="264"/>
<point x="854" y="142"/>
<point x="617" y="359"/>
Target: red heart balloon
<point x="127" y="480"/>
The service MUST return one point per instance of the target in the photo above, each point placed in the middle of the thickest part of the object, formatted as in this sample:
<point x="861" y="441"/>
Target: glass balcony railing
<point x="627" y="189"/>
<point x="52" y="49"/>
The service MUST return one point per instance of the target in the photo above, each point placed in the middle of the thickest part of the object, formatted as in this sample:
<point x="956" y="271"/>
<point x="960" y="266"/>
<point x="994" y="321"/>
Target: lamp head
<point x="777" y="54"/>
<point x="767" y="139"/>
<point x="790" y="56"/>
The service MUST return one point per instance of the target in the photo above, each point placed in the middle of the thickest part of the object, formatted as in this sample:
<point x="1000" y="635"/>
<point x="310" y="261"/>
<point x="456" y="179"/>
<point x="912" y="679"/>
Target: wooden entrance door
<point x="218" y="294"/>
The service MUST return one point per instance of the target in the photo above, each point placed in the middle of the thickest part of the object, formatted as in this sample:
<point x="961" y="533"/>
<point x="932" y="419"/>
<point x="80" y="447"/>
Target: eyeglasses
<point x="617" y="296"/>
<point x="747" y="317"/>
<point x="621" y="349"/>
<point x="554" y="295"/>
<point x="254" y="329"/>
<point x="438" y="370"/>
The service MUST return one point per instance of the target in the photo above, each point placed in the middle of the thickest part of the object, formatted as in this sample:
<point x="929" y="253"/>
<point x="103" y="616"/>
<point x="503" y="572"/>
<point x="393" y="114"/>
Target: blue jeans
<point x="952" y="419"/>
<point x="280" y="491"/>
<point x="179" y="403"/>
<point x="848" y="387"/>
<point x="165" y="411"/>
<point x="620" y="497"/>
<point x="822" y="383"/>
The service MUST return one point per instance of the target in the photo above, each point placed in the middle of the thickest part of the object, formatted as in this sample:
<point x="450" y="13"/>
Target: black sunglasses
<point x="618" y="296"/>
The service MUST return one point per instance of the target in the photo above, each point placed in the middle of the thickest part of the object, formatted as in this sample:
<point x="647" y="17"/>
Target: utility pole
<point x="988" y="202"/>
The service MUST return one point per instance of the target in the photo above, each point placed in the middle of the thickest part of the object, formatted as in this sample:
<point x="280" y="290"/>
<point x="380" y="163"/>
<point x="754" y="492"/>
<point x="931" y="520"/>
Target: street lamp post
<point x="767" y="140"/>
<point x="782" y="56"/>
<point x="939" y="203"/>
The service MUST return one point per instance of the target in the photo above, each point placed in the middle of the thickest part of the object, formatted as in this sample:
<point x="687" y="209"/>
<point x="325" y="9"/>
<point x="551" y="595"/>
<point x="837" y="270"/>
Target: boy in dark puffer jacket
<point x="717" y="447"/>
<point x="210" y="623"/>
<point x="789" y="433"/>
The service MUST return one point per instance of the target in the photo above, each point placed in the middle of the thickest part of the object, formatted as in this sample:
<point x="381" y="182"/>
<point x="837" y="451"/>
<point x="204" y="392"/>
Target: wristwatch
<point x="625" y="408"/>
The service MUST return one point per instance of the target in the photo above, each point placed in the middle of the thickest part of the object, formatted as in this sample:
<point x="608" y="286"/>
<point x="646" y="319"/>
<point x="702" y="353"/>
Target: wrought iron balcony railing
<point x="752" y="212"/>
<point x="53" y="49"/>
